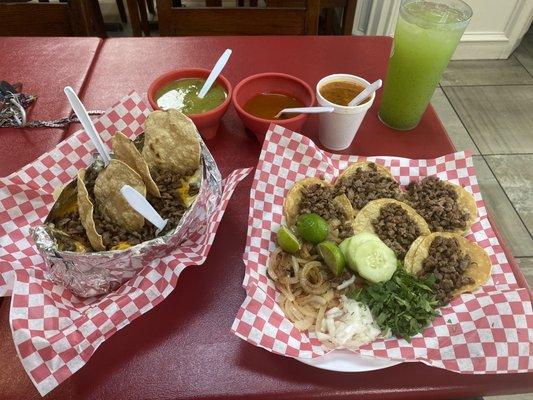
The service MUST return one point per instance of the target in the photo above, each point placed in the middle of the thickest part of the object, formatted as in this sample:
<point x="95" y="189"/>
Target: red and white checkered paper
<point x="55" y="333"/>
<point x="489" y="331"/>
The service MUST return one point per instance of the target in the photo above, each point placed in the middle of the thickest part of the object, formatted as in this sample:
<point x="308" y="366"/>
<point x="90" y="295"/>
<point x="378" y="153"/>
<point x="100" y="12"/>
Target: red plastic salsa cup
<point x="207" y="123"/>
<point x="271" y="82"/>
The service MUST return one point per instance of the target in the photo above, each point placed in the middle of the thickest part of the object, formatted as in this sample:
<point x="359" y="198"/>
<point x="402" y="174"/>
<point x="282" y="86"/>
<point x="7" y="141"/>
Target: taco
<point x="109" y="199"/>
<point x="459" y="266"/>
<point x="125" y="151"/>
<point x="396" y="224"/>
<point x="446" y="207"/>
<point x="86" y="210"/>
<point x="171" y="143"/>
<point x="365" y="181"/>
<point x="313" y="195"/>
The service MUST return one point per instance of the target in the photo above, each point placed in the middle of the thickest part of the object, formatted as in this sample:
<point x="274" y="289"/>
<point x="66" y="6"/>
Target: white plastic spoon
<point x="365" y="93"/>
<point x="139" y="203"/>
<point x="87" y="124"/>
<point x="215" y="72"/>
<point x="305" y="110"/>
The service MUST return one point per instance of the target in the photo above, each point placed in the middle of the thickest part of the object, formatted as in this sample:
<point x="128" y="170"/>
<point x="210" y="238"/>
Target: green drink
<point x="426" y="36"/>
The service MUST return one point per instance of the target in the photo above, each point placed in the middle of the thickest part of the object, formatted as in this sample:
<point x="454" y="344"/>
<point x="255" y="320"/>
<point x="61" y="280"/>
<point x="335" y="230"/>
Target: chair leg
<point x="348" y="17"/>
<point x="122" y="11"/>
<point x="135" y="19"/>
<point x="144" y="17"/>
<point x="150" y="5"/>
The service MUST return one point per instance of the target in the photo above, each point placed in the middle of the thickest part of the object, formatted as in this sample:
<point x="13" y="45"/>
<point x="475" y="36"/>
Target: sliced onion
<point x="307" y="311"/>
<point x="286" y="291"/>
<point x="295" y="266"/>
<point x="312" y="270"/>
<point x="314" y="300"/>
<point x="304" y="324"/>
<point x="273" y="263"/>
<point x="319" y="319"/>
<point x="346" y="283"/>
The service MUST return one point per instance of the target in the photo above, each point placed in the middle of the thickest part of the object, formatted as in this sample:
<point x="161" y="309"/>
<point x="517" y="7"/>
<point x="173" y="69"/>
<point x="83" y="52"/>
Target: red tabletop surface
<point x="44" y="66"/>
<point x="184" y="347"/>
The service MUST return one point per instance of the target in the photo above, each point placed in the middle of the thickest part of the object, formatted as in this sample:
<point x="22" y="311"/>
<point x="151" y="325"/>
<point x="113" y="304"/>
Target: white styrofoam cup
<point x="337" y="129"/>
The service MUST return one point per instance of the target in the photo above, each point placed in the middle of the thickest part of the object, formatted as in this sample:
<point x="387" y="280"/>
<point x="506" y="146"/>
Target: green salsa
<point x="183" y="95"/>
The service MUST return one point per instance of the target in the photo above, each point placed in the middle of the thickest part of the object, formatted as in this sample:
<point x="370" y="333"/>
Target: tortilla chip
<point x="171" y="142"/>
<point x="86" y="209"/>
<point x="66" y="201"/>
<point x="57" y="192"/>
<point x="363" y="221"/>
<point x="125" y="151"/>
<point x="111" y="202"/>
<point x="479" y="269"/>
<point x="294" y="196"/>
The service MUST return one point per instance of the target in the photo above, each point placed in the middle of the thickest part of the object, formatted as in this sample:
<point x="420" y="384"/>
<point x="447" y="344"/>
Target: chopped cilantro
<point x="405" y="304"/>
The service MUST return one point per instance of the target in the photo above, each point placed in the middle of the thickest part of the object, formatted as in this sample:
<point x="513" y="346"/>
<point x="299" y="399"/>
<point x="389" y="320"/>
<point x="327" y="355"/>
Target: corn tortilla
<point x="363" y="221"/>
<point x="479" y="269"/>
<point x="171" y="142"/>
<point x="125" y="151"/>
<point x="111" y="202"/>
<point x="86" y="209"/>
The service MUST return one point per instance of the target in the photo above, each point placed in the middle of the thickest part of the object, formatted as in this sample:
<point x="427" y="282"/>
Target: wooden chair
<point x="70" y="18"/>
<point x="217" y="20"/>
<point x="327" y="6"/>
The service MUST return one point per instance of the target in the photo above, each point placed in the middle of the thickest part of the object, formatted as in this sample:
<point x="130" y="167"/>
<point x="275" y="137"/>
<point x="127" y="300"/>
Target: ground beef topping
<point x="318" y="199"/>
<point x="396" y="229"/>
<point x="437" y="203"/>
<point x="72" y="228"/>
<point x="367" y="185"/>
<point x="447" y="262"/>
<point x="169" y="206"/>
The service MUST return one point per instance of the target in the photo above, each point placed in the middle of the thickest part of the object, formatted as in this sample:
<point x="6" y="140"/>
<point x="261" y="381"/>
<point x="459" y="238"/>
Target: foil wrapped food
<point x="97" y="273"/>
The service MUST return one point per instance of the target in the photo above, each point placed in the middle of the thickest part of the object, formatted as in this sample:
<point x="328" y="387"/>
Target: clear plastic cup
<point x="337" y="129"/>
<point x="426" y="36"/>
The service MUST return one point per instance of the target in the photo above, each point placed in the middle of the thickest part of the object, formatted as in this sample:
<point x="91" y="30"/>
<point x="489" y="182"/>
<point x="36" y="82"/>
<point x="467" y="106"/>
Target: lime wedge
<point x="312" y="228"/>
<point x="332" y="256"/>
<point x="287" y="240"/>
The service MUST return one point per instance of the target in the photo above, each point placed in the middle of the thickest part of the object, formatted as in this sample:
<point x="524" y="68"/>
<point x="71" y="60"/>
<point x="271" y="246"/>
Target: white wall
<point x="494" y="31"/>
<point x="496" y="28"/>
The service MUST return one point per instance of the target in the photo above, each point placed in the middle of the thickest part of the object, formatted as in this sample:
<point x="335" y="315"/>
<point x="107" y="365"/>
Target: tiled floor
<point x="487" y="108"/>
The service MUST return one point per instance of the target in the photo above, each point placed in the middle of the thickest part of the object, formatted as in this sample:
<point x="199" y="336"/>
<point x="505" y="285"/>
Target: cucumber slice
<point x="345" y="245"/>
<point x="350" y="245"/>
<point x="375" y="261"/>
<point x="362" y="237"/>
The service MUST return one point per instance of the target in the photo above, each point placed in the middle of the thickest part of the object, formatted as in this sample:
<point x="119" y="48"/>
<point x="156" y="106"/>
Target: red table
<point x="184" y="347"/>
<point x="44" y="66"/>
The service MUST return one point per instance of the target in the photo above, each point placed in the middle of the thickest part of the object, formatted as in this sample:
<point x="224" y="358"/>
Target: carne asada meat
<point x="437" y="203"/>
